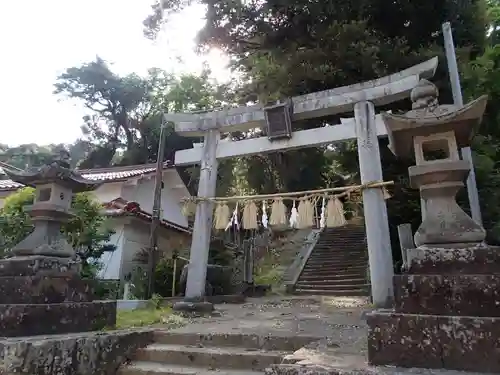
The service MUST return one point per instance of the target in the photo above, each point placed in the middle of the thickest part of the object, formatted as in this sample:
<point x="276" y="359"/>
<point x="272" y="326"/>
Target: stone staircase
<point x="185" y="353"/>
<point x="338" y="264"/>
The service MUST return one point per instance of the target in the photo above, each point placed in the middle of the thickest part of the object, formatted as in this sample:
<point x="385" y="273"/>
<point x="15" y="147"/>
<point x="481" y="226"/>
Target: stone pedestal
<point x="42" y="295"/>
<point x="447" y="312"/>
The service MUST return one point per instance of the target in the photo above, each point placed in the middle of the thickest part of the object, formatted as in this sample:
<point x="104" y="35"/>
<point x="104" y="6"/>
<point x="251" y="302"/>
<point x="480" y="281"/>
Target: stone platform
<point x="447" y="312"/>
<point x="97" y="353"/>
<point x="45" y="295"/>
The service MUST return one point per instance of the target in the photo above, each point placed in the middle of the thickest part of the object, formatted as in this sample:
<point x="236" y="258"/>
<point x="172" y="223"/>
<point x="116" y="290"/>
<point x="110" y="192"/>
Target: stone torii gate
<point x="366" y="126"/>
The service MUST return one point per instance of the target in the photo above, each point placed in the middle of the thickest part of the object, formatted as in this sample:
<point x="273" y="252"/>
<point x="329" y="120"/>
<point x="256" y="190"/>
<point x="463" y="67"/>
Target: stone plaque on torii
<point x="366" y="127"/>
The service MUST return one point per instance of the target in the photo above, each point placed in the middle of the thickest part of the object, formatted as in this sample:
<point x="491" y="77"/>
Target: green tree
<point x="33" y="155"/>
<point x="283" y="49"/>
<point x="86" y="231"/>
<point x="482" y="76"/>
<point x="126" y="112"/>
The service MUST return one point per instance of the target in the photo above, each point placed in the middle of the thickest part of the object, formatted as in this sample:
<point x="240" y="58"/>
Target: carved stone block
<point x="462" y="295"/>
<point x="431" y="341"/>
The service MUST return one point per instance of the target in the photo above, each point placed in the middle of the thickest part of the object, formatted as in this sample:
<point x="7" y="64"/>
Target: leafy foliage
<point x="126" y="112"/>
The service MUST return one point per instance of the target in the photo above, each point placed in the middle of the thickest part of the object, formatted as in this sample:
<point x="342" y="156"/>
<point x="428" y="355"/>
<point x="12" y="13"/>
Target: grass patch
<point x="148" y="317"/>
<point x="269" y="273"/>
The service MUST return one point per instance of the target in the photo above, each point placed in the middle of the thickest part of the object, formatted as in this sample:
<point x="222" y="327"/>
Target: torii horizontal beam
<point x="380" y="91"/>
<point x="300" y="139"/>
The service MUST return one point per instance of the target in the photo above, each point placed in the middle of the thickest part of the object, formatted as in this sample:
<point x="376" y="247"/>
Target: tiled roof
<point x="100" y="174"/>
<point x="121" y="207"/>
<point x="8" y="185"/>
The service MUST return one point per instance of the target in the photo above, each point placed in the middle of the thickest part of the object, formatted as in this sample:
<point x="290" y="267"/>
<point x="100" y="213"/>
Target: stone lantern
<point x="432" y="134"/>
<point x="447" y="303"/>
<point x="54" y="186"/>
<point x="41" y="291"/>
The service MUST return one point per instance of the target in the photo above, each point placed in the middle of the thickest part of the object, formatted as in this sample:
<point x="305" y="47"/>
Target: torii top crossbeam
<point x="379" y="91"/>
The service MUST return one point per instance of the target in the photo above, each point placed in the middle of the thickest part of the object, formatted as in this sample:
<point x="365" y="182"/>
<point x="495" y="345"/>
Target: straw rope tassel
<point x="306" y="214"/>
<point x="221" y="215"/>
<point x="278" y="213"/>
<point x="386" y="193"/>
<point x="250" y="216"/>
<point x="335" y="213"/>
<point x="234" y="218"/>
<point x="322" y="221"/>
<point x="265" y="219"/>
<point x="189" y="209"/>
<point x="294" y="216"/>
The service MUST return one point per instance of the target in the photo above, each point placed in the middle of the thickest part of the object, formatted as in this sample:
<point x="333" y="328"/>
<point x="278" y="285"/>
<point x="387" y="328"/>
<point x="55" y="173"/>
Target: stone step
<point x="211" y="357"/>
<point x="353" y="281"/>
<point x="337" y="293"/>
<point x="154" y="368"/>
<point x="333" y="277"/>
<point x="337" y="263"/>
<point x="338" y="256"/>
<point x="242" y="340"/>
<point x="333" y="270"/>
<point x="336" y="251"/>
<point x="348" y="235"/>
<point x="332" y="288"/>
<point x="341" y="240"/>
<point x="343" y="231"/>
<point x="337" y="244"/>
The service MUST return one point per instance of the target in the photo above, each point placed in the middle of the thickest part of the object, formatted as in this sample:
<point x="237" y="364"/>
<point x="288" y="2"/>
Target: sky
<point x="40" y="39"/>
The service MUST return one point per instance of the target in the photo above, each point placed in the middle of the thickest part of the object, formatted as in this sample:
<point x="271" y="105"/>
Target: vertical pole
<point x="198" y="257"/>
<point x="245" y="261"/>
<point x="376" y="221"/>
<point x="451" y="59"/>
<point x="248" y="261"/>
<point x="155" y="219"/>
<point x="405" y="241"/>
<point x="174" y="277"/>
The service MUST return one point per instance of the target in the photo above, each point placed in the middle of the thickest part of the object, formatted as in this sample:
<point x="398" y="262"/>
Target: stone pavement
<point x="340" y="319"/>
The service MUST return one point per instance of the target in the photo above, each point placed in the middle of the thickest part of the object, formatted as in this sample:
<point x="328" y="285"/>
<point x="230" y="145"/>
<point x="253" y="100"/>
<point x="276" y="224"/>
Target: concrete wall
<point x="132" y="236"/>
<point x="172" y="193"/>
<point x="112" y="261"/>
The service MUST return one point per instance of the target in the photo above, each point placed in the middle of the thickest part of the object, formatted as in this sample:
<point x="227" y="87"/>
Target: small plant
<point x="148" y="317"/>
<point x="155" y="302"/>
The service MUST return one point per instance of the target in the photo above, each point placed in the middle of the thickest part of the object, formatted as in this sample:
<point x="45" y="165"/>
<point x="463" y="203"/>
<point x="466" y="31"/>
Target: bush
<point x="107" y="289"/>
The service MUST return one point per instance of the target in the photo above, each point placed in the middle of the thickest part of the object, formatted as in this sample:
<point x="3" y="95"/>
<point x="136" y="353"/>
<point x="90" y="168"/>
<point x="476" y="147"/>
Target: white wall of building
<point x="112" y="261"/>
<point x="173" y="191"/>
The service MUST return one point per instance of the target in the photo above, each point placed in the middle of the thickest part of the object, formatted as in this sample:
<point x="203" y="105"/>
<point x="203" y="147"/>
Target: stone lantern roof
<point x="57" y="172"/>
<point x="428" y="117"/>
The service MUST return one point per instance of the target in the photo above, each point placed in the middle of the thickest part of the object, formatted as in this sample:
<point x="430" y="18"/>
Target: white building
<point x="127" y="197"/>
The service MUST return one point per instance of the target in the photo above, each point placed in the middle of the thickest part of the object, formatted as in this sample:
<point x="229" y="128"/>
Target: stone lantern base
<point x="447" y="312"/>
<point x="42" y="295"/>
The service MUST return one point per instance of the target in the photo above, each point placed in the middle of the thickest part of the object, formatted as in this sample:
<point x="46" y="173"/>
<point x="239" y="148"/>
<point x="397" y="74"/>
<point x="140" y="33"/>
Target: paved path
<point x="338" y="321"/>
